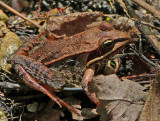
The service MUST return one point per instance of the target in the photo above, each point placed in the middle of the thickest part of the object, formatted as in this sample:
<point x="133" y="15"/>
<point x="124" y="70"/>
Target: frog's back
<point x="56" y="50"/>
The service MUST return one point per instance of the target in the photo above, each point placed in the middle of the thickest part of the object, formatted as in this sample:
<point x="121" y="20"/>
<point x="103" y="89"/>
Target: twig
<point x="30" y="19"/>
<point x="139" y="76"/>
<point x="122" y="55"/>
<point x="7" y="77"/>
<point x="148" y="7"/>
<point x="144" y="82"/>
<point x="39" y="7"/>
<point x="147" y="24"/>
<point x="3" y="119"/>
<point x="72" y="89"/>
<point x="142" y="56"/>
<point x="153" y="42"/>
<point x="9" y="85"/>
<point x="20" y="98"/>
<point x="19" y="14"/>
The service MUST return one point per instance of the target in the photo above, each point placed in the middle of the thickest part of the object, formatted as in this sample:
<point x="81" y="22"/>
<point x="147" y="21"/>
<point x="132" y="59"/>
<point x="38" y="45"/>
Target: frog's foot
<point x="43" y="88"/>
<point x="89" y="73"/>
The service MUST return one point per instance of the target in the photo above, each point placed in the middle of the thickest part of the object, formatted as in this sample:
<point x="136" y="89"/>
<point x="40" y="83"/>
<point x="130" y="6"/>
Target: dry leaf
<point x="120" y="100"/>
<point x="122" y="4"/>
<point x="88" y="113"/>
<point x="52" y="12"/>
<point x="50" y="115"/>
<point x="151" y="110"/>
<point x="75" y="103"/>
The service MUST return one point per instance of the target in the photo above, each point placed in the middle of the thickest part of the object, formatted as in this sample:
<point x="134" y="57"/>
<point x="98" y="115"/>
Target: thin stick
<point x="142" y="56"/>
<point x="148" y="7"/>
<point x="39" y="7"/>
<point x="153" y="42"/>
<point x="19" y="14"/>
<point x="147" y="24"/>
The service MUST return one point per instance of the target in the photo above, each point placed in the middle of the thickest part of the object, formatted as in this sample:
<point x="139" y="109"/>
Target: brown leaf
<point x="151" y="110"/>
<point x="120" y="100"/>
<point x="52" y="12"/>
<point x="75" y="103"/>
<point x="88" y="113"/>
<point x="50" y="115"/>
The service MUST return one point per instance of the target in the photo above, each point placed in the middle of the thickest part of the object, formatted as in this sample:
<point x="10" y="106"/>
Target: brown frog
<point x="99" y="43"/>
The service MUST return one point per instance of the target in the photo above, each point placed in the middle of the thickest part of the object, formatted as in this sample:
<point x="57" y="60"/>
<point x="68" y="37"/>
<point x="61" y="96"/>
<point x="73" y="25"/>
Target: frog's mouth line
<point x="110" y="54"/>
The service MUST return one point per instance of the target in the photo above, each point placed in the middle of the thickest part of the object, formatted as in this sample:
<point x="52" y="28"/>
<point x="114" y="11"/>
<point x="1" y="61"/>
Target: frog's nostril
<point x="105" y="26"/>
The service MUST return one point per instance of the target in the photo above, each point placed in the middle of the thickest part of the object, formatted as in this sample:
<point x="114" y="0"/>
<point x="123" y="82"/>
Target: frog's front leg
<point x="88" y="76"/>
<point x="26" y="66"/>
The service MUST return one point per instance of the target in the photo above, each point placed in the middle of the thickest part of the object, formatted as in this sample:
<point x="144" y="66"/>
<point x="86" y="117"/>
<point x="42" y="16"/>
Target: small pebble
<point x="32" y="107"/>
<point x="60" y="5"/>
<point x="104" y="4"/>
<point x="90" y="3"/>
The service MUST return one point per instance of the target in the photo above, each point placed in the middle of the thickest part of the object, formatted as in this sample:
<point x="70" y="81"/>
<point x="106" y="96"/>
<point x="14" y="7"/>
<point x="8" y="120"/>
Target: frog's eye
<point x="107" y="43"/>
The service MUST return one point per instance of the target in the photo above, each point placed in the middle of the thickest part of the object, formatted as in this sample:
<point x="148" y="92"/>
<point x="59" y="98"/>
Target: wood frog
<point x="99" y="43"/>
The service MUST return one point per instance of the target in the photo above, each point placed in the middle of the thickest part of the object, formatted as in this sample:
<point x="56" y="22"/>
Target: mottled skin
<point x="35" y="63"/>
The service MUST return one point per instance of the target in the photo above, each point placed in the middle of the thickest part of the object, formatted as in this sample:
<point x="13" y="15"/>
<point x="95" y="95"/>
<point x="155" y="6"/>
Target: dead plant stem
<point x="39" y="7"/>
<point x="148" y="7"/>
<point x="18" y="14"/>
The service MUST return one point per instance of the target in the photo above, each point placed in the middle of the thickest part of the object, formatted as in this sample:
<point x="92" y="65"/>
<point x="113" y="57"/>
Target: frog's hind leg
<point x="37" y="76"/>
<point x="40" y="87"/>
<point x="33" y="83"/>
